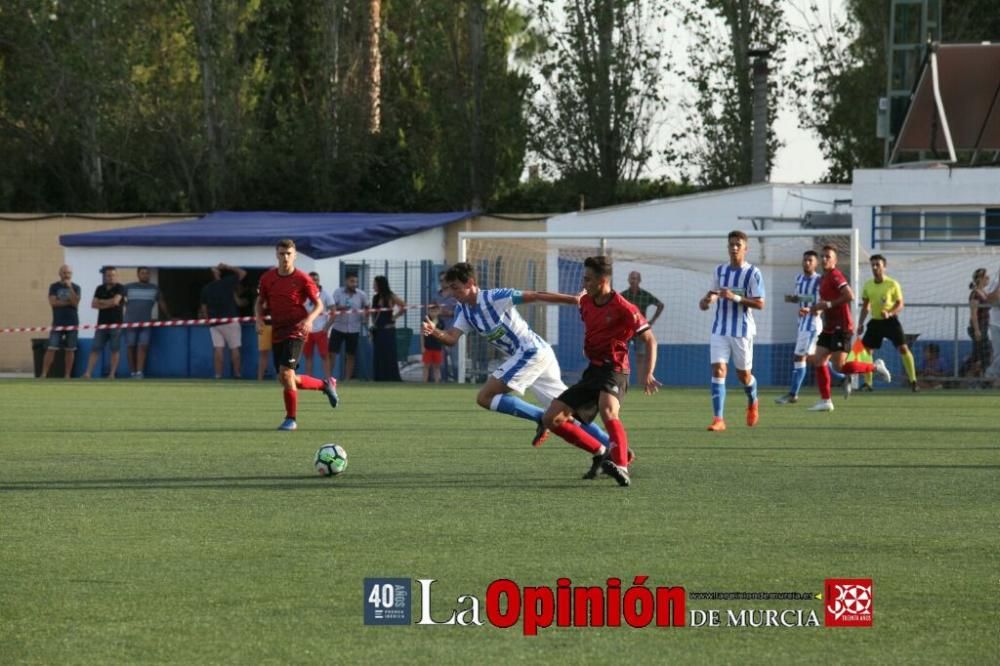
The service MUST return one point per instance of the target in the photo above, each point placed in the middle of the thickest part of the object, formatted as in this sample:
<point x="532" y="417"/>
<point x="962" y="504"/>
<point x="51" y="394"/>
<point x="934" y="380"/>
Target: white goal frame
<point x="602" y="238"/>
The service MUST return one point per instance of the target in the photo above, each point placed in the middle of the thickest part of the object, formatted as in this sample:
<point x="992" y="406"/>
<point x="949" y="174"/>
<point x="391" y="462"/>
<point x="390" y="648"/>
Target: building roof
<point x="318" y="235"/>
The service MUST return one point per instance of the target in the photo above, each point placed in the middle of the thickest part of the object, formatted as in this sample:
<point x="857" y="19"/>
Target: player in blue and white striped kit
<point x="806" y="293"/>
<point x="531" y="362"/>
<point x="737" y="288"/>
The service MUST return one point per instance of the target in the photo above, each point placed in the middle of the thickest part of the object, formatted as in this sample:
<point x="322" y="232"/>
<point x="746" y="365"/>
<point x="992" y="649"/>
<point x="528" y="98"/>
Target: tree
<point x="592" y="121"/>
<point x="714" y="147"/>
<point x="846" y="68"/>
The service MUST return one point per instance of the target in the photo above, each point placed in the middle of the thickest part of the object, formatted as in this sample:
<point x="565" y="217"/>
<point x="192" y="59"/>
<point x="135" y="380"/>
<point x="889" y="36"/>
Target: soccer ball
<point x="331" y="460"/>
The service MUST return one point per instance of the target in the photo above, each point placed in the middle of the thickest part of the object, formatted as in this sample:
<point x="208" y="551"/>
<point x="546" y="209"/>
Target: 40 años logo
<point x="566" y="605"/>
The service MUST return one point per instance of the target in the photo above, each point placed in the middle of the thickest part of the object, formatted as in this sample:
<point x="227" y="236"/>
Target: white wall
<point x="928" y="187"/>
<point x="678" y="271"/>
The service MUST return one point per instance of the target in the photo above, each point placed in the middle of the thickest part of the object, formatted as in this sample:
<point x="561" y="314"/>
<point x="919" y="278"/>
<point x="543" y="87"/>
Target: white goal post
<point x="675" y="266"/>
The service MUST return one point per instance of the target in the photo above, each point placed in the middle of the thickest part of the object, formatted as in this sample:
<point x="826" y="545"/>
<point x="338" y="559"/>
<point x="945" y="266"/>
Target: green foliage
<point x="592" y="122"/>
<point x="196" y="105"/>
<point x="714" y="145"/>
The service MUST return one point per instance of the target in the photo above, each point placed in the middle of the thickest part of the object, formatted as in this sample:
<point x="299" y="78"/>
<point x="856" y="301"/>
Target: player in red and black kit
<point x="284" y="291"/>
<point x="835" y="298"/>
<point x="609" y="323"/>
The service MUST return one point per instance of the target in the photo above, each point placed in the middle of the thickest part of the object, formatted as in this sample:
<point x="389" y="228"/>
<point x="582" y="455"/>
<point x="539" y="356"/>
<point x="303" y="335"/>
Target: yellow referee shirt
<point x="882" y="295"/>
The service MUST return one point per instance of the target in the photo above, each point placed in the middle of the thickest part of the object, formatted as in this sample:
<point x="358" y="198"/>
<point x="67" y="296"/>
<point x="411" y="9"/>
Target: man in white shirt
<point x="349" y="302"/>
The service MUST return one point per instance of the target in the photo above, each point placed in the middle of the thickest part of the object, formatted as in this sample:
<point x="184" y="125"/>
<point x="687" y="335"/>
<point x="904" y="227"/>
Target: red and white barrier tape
<point x="210" y="321"/>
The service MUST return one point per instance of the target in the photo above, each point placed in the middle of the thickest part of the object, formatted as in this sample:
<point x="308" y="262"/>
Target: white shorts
<point x="805" y="343"/>
<point x="724" y="347"/>
<point x="540" y="371"/>
<point x="226" y="335"/>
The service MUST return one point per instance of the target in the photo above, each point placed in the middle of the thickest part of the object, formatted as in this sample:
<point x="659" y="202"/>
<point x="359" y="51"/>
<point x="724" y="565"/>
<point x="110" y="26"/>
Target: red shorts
<point x="433" y="357"/>
<point x="319" y="341"/>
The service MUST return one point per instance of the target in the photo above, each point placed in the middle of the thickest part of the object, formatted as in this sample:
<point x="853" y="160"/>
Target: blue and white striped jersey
<point x="495" y="318"/>
<point x="807" y="290"/>
<point x="735" y="319"/>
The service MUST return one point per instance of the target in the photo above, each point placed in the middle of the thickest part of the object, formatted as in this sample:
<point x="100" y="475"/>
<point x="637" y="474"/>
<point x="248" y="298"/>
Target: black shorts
<point x="350" y="341"/>
<point x="286" y="353"/>
<point x="880" y="329"/>
<point x="838" y="341"/>
<point x="584" y="396"/>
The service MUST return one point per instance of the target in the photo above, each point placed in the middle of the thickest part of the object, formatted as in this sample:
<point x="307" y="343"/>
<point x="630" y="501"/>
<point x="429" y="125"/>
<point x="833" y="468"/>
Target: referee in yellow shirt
<point x="883" y="298"/>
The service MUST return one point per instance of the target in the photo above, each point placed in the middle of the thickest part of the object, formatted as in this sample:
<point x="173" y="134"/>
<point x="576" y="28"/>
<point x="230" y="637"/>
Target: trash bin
<point x="38" y="347"/>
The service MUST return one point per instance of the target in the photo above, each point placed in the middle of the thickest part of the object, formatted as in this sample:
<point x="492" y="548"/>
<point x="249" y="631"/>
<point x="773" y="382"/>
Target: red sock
<point x="291" y="403"/>
<point x="857" y="368"/>
<point x="823" y="380"/>
<point x="577" y="436"/>
<point x="309" y="383"/>
<point x="619" y="442"/>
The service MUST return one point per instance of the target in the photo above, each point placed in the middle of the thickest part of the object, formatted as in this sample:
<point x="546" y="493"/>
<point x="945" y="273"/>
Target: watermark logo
<point x="848" y="602"/>
<point x="387" y="600"/>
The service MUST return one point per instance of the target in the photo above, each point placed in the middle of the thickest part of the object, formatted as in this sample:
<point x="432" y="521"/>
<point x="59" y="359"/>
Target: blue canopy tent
<point x="317" y="235"/>
<point x="323" y="240"/>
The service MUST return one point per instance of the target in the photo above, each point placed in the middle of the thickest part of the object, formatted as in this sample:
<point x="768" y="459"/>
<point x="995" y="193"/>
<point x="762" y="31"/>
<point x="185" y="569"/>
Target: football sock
<point x="823" y="381"/>
<point x="596" y="432"/>
<point x="718" y="396"/>
<point x="798" y="376"/>
<point x="869" y="378"/>
<point x="839" y="376"/>
<point x="309" y="383"/>
<point x="509" y="404"/>
<point x="291" y="403"/>
<point x="857" y="367"/>
<point x="576" y="436"/>
<point x="619" y="450"/>
<point x="909" y="366"/>
<point x="751" y="390"/>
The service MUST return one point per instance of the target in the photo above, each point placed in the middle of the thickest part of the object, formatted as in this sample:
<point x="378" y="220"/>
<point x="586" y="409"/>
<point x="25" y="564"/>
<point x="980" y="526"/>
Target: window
<point x="932" y="226"/>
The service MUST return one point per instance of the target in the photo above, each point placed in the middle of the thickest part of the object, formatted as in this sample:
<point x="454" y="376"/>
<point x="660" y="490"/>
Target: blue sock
<point x="839" y="376"/>
<point x="751" y="390"/>
<point x="798" y="376"/>
<point x="718" y="396"/>
<point x="596" y="432"/>
<point x="509" y="404"/>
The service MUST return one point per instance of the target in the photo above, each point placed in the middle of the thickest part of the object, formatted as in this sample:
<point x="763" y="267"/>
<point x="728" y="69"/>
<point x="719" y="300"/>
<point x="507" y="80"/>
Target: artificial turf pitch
<point x="169" y="522"/>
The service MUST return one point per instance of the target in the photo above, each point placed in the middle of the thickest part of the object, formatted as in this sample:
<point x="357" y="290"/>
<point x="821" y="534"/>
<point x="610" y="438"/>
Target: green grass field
<point x="168" y="522"/>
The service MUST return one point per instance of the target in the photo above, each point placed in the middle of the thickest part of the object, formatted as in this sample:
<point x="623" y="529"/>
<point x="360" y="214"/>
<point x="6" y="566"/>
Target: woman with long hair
<point x="387" y="307"/>
<point x="979" y="321"/>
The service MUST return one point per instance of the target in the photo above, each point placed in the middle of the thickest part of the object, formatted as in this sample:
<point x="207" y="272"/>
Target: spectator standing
<point x="140" y="297"/>
<point x="64" y="297"/>
<point x="642" y="300"/>
<point x="447" y="304"/>
<point x="388" y="307"/>
<point x="218" y="300"/>
<point x="979" y="321"/>
<point x="109" y="299"/>
<point x="993" y="295"/>
<point x="431" y="347"/>
<point x="345" y="325"/>
<point x="317" y="339"/>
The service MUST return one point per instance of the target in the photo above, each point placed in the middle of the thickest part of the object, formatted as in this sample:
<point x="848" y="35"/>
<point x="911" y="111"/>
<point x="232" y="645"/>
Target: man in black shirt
<point x="218" y="300"/>
<point x="109" y="299"/>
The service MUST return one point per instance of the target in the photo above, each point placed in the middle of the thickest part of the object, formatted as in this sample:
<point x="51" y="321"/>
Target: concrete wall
<point x="30" y="256"/>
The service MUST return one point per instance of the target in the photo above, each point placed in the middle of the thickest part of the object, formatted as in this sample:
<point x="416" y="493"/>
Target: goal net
<point x="675" y="267"/>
